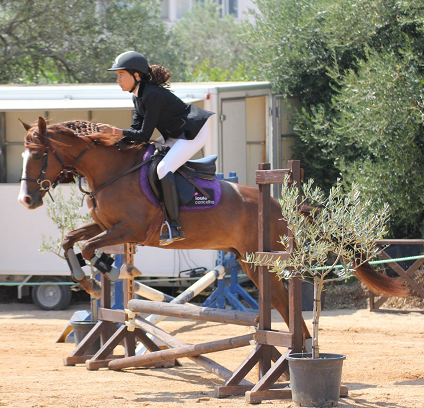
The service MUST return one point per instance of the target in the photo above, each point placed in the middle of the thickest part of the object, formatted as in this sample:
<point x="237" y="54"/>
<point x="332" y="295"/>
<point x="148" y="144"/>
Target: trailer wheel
<point x="51" y="296"/>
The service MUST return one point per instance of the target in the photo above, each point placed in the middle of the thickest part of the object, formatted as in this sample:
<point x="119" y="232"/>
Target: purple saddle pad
<point x="198" y="203"/>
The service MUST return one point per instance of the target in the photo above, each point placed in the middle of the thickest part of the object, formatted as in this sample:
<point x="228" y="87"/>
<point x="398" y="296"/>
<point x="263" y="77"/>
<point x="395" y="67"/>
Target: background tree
<point x="210" y="45"/>
<point x="357" y="69"/>
<point x="48" y="41"/>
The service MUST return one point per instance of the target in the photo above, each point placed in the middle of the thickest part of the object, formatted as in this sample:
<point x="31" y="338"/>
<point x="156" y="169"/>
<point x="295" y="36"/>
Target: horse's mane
<point x="83" y="129"/>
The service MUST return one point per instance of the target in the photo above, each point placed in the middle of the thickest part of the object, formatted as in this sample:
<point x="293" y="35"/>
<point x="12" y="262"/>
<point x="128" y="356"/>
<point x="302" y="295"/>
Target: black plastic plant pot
<point x="315" y="382"/>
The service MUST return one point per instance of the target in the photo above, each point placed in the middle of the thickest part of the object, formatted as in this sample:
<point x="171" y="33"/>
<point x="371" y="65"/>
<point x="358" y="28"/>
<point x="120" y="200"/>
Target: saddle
<point x="185" y="176"/>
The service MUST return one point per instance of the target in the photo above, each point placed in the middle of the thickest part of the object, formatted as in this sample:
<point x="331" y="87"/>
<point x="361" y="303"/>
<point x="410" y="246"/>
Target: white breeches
<point x="181" y="151"/>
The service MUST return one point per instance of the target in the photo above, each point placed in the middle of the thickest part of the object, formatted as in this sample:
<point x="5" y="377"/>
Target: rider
<point x="182" y="125"/>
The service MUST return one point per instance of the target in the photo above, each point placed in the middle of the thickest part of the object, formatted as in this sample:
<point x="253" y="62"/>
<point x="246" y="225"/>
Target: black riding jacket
<point x="157" y="107"/>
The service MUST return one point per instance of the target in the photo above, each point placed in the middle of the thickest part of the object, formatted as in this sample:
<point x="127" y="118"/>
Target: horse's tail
<point x="375" y="281"/>
<point x="380" y="283"/>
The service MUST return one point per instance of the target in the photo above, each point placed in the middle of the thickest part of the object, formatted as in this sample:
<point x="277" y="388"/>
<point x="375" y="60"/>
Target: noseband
<point x="45" y="184"/>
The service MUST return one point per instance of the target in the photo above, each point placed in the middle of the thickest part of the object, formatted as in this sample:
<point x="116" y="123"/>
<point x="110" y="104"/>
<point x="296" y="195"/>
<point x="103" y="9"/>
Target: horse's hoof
<point x="129" y="272"/>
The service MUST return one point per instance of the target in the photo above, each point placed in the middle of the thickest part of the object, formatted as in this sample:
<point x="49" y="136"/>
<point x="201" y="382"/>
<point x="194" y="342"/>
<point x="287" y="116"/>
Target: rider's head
<point x="135" y="64"/>
<point x="133" y="68"/>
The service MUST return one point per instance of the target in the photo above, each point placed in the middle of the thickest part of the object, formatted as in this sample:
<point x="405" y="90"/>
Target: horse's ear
<point x="42" y="126"/>
<point x="25" y="125"/>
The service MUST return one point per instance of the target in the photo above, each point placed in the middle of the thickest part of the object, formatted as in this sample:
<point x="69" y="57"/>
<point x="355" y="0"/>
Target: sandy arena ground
<point x="384" y="365"/>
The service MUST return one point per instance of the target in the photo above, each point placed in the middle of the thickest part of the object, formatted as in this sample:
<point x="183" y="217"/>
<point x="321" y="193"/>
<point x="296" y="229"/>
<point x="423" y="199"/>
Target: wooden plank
<point x="129" y="344"/>
<point x="112" y="315"/>
<point x="256" y="397"/>
<point x="344" y="391"/>
<point x="274" y="338"/>
<point x="106" y="299"/>
<point x="224" y="391"/>
<point x="404" y="311"/>
<point x="295" y="313"/>
<point x="95" y="365"/>
<point x="147" y="341"/>
<point x="266" y="176"/>
<point x="378" y="303"/>
<point x="372" y="305"/>
<point x="171" y="341"/>
<point x="110" y="344"/>
<point x="193" y="312"/>
<point x="273" y="374"/>
<point x="182" y="351"/>
<point x="402" y="273"/>
<point x="264" y="277"/>
<point x="88" y="340"/>
<point x="72" y="360"/>
<point x="249" y="362"/>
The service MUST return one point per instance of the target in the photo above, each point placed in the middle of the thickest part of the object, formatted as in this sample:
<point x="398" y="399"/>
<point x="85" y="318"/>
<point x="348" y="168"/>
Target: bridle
<point x="45" y="184"/>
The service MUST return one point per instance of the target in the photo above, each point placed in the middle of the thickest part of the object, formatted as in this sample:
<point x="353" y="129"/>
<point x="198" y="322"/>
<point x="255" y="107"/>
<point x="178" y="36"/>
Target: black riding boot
<point x="170" y="198"/>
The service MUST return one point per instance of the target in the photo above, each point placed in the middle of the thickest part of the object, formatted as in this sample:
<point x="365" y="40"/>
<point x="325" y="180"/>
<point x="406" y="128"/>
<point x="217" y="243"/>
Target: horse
<point x="122" y="214"/>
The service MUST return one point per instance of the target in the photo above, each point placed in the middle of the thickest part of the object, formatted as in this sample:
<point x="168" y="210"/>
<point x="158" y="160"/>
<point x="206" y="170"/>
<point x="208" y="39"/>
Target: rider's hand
<point x="112" y="130"/>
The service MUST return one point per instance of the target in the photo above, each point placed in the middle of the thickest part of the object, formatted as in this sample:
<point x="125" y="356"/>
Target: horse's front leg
<point x="80" y="234"/>
<point x="119" y="234"/>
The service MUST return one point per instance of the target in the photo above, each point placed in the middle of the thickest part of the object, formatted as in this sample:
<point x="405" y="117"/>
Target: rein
<point x="92" y="194"/>
<point x="46" y="185"/>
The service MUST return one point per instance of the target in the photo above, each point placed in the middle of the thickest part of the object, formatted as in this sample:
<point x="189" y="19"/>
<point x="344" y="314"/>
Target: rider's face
<point x="125" y="80"/>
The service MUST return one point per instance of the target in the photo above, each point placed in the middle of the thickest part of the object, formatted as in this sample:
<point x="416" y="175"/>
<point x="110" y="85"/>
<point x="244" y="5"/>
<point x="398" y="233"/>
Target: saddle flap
<point x="153" y="177"/>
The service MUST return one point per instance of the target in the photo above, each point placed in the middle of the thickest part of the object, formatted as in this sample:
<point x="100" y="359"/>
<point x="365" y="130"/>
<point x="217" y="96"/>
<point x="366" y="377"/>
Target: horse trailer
<point x="250" y="126"/>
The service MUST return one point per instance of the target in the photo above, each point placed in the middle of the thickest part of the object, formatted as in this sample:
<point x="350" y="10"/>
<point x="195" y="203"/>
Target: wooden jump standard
<point x="111" y="335"/>
<point x="265" y="351"/>
<point x="264" y="337"/>
<point x="106" y="328"/>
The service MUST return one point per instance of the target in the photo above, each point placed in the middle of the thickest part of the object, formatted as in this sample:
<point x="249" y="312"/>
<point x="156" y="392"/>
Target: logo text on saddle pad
<point x="200" y="200"/>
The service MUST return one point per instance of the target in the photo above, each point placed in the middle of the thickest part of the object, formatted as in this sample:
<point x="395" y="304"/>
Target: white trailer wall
<point x="21" y="238"/>
<point x="239" y="135"/>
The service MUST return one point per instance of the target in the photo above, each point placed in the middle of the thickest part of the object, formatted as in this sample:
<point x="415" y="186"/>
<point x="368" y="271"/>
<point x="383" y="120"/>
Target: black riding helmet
<point x="131" y="61"/>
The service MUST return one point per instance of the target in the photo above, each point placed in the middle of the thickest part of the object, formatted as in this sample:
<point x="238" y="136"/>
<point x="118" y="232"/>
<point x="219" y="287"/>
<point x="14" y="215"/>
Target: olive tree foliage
<point x="209" y="45"/>
<point x="338" y="235"/>
<point x="357" y="68"/>
<point x="67" y="214"/>
<point x="48" y="41"/>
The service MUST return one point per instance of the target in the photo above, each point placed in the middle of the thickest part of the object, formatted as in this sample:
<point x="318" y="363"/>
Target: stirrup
<point x="169" y="240"/>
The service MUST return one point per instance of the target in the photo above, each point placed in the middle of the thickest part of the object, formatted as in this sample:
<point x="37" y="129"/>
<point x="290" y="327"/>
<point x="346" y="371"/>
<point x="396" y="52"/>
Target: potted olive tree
<point x="331" y="234"/>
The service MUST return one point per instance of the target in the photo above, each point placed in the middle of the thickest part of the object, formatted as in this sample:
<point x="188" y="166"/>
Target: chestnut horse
<point x="122" y="213"/>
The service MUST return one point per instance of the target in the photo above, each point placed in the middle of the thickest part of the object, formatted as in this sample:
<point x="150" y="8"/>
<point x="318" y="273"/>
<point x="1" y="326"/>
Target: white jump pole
<point x="184" y="297"/>
<point x="150" y="293"/>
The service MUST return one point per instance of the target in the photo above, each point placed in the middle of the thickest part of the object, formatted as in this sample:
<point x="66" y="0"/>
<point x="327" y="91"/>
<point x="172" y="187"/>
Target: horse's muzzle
<point x="30" y="200"/>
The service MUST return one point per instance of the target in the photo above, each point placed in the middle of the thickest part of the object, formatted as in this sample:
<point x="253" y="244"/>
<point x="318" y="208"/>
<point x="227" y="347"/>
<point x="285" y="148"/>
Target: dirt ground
<point x="384" y="364"/>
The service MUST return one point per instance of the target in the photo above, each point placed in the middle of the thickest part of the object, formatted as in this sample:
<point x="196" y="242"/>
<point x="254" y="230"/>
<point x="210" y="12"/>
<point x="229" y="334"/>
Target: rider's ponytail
<point x="158" y="75"/>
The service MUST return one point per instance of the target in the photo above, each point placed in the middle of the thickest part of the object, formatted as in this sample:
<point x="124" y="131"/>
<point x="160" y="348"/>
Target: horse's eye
<point x="37" y="156"/>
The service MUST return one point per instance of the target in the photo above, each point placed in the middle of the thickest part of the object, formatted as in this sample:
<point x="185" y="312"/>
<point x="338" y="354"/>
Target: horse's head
<point x="41" y="167"/>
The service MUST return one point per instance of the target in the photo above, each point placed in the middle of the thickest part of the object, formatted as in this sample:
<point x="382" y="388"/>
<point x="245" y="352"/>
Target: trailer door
<point x="233" y="138"/>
